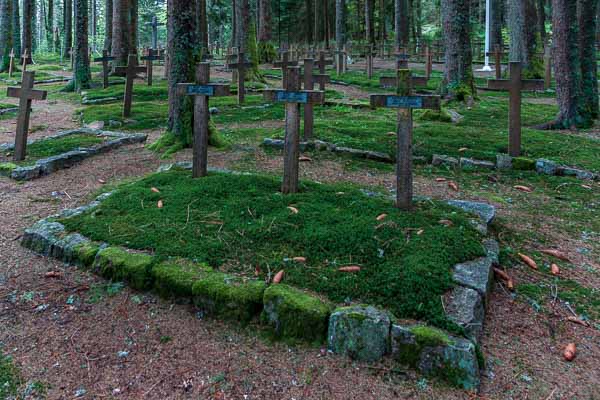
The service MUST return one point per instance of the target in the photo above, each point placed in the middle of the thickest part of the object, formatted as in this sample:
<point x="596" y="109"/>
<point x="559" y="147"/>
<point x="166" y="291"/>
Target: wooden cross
<point x="25" y="59"/>
<point x="402" y="58"/>
<point x="428" y="62"/>
<point x="154" y="25"/>
<point x="25" y="94"/>
<point x="284" y="64"/>
<point x="240" y="66"/>
<point x="201" y="91"/>
<point x="547" y="67"/>
<point x="151" y="55"/>
<point x="130" y="72"/>
<point x="104" y="60"/>
<point x="340" y="61"/>
<point x="392" y="81"/>
<point x="322" y="64"/>
<point x="369" y="60"/>
<point x="515" y="85"/>
<point x="405" y="102"/>
<point x="309" y="84"/>
<point x="293" y="97"/>
<point x="11" y="63"/>
<point x="498" y="54"/>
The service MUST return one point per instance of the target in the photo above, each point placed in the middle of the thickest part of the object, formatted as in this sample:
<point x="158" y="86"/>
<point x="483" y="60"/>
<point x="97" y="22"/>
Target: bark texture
<point x="81" y="74"/>
<point x="458" y="73"/>
<point x="6" y="33"/>
<point x="340" y="23"/>
<point x="68" y="40"/>
<point x="264" y="27"/>
<point x="108" y="27"/>
<point x="121" y="31"/>
<point x="587" y="10"/>
<point x="16" y="26"/>
<point x="523" y="42"/>
<point x="26" y="40"/>
<point x="401" y="22"/>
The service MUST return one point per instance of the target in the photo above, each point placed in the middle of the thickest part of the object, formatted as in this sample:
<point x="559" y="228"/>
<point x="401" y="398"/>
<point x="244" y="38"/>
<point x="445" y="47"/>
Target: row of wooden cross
<point x="25" y="60"/>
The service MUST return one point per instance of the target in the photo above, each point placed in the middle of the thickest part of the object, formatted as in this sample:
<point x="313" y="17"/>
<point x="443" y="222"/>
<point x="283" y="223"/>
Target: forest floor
<point x="77" y="335"/>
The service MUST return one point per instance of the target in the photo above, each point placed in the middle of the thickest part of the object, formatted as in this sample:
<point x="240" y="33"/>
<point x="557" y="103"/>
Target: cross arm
<point x="527" y="84"/>
<point x="210" y="89"/>
<point x="154" y="57"/>
<point x="301" y="96"/>
<point x="101" y="59"/>
<point x="392" y="81"/>
<point x="124" y="70"/>
<point x="393" y="101"/>
<point x="280" y="64"/>
<point x="32" y="94"/>
<point x="321" y="78"/>
<point x="236" y="65"/>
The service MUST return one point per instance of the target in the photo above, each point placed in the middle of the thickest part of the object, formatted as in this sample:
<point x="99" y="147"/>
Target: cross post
<point x="151" y="55"/>
<point x="25" y="94"/>
<point x="25" y="59"/>
<point x="392" y="81"/>
<point x="547" y="67"/>
<point x="309" y="84"/>
<point x="340" y="62"/>
<point x="428" y="62"/>
<point x="405" y="102"/>
<point x="241" y="67"/>
<point x="497" y="53"/>
<point x="515" y="85"/>
<point x="285" y="64"/>
<point x="130" y="72"/>
<point x="72" y="57"/>
<point x="202" y="90"/>
<point x="322" y="64"/>
<point x="292" y="97"/>
<point x="11" y="63"/>
<point x="402" y="58"/>
<point x="369" y="60"/>
<point x="154" y="24"/>
<point x="104" y="60"/>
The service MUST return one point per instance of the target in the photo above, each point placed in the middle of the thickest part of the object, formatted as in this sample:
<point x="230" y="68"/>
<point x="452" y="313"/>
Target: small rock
<point x="80" y="392"/>
<point x="469" y="163"/>
<point x="114" y="124"/>
<point x="122" y="354"/>
<point x="503" y="161"/>
<point x="475" y="274"/>
<point x="578" y="173"/>
<point x="546" y="167"/>
<point x="485" y="211"/>
<point x="454" y="116"/>
<point x="95" y="125"/>
<point x="444" y="160"/>
<point x="213" y="110"/>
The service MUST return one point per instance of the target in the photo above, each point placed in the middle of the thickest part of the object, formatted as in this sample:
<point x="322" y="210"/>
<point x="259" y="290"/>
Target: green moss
<point x="10" y="379"/>
<point x="429" y="337"/>
<point x="523" y="164"/>
<point x="85" y="254"/>
<point x="119" y="265"/>
<point x="292" y="313"/>
<point x="7" y="167"/>
<point x="229" y="296"/>
<point x="266" y="52"/>
<point x="175" y="278"/>
<point x="433" y="115"/>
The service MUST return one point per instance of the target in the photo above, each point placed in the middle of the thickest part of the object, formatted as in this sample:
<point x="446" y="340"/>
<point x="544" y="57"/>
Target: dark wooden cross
<point x="150" y="57"/>
<point x="322" y="63"/>
<point x="201" y="90"/>
<point x="497" y="54"/>
<point x="402" y="58"/>
<point x="25" y="94"/>
<point x="25" y="59"/>
<point x="309" y="84"/>
<point x="284" y="64"/>
<point x="547" y="67"/>
<point x="105" y="68"/>
<point x="293" y="97"/>
<point x="369" y="60"/>
<point x="11" y="63"/>
<point x="240" y="66"/>
<point x="130" y="72"/>
<point x="405" y="102"/>
<point x="392" y="81"/>
<point x="428" y="62"/>
<point x="515" y="85"/>
<point x="154" y="24"/>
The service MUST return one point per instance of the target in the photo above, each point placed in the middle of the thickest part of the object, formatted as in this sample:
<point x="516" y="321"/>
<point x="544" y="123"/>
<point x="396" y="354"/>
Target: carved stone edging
<point x="46" y="166"/>
<point x="503" y="161"/>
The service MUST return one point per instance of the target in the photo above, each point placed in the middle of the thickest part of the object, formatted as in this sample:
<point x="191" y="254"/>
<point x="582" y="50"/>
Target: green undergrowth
<point x="240" y="224"/>
<point x="10" y="379"/>
<point x="50" y="147"/>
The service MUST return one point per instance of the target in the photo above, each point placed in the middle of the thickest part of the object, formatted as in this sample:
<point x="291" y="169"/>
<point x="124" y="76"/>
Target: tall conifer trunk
<point x="6" y="33"/>
<point x="81" y="73"/>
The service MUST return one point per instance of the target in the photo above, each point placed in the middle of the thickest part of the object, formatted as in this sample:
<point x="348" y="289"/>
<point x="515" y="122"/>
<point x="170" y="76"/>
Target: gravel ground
<point x="136" y="346"/>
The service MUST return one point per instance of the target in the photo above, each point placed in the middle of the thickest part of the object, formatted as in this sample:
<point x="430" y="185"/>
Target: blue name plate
<point x="404" y="102"/>
<point x="205" y="90"/>
<point x="292" y="97"/>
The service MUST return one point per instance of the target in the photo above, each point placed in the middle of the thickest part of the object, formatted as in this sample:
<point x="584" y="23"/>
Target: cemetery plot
<point x="63" y="150"/>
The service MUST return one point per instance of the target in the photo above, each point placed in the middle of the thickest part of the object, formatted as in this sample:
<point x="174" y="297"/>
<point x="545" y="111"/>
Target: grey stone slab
<point x="476" y="274"/>
<point x="466" y="308"/>
<point x="485" y="211"/>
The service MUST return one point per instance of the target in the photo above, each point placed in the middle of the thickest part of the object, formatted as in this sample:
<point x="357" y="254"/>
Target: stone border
<point x="8" y="110"/>
<point x="47" y="166"/>
<point x="503" y="161"/>
<point x="361" y="332"/>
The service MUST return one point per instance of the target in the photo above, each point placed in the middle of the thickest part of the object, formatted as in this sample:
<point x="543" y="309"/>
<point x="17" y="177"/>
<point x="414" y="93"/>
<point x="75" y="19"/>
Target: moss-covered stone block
<point x="435" y="353"/>
<point x="230" y="297"/>
<point x="7" y="168"/>
<point x="360" y="332"/>
<point x="119" y="265"/>
<point x="85" y="254"/>
<point x="175" y="278"/>
<point x="292" y="313"/>
<point x="523" y="164"/>
<point x="437" y="116"/>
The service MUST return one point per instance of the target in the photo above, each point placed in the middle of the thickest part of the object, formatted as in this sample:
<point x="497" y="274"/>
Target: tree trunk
<point x="310" y="37"/>
<point x="340" y="26"/>
<point x="458" y="73"/>
<point x="27" y="34"/>
<point x="587" y="11"/>
<point x="541" y="21"/>
<point x="566" y="62"/>
<point x="68" y="40"/>
<point x="182" y="47"/>
<point x="50" y="25"/>
<point x="121" y="32"/>
<point x="108" y="20"/>
<point x="523" y="44"/>
<point x="202" y="24"/>
<point x="264" y="31"/>
<point x="81" y="74"/>
<point x="497" y="7"/>
<point x="6" y="33"/>
<point x="16" y="26"/>
<point x="326" y="31"/>
<point x="369" y="37"/>
<point x="401" y="23"/>
<point x="133" y="26"/>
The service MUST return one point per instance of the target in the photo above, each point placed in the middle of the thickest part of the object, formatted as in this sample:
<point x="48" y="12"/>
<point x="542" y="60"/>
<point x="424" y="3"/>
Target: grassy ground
<point x="51" y="147"/>
<point x="242" y="223"/>
<point x="9" y="378"/>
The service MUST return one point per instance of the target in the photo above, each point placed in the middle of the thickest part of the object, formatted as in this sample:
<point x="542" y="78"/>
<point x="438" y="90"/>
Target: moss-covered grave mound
<point x="242" y="226"/>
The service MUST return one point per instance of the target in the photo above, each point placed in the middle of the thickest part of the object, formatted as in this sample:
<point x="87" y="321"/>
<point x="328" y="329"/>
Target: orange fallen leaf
<point x="453" y="186"/>
<point x="294" y="210"/>
<point x="578" y="321"/>
<point x="556" y="253"/>
<point x="586" y="187"/>
<point x="555" y="269"/>
<point x="53" y="274"/>
<point x="349" y="268"/>
<point x="160" y="204"/>
<point x="463" y="149"/>
<point x="299" y="259"/>
<point x="278" y="277"/>
<point x="391" y="134"/>
<point x="304" y="159"/>
<point x="441" y="179"/>
<point x="522" y="188"/>
<point x="101" y="181"/>
<point x="528" y="260"/>
<point x="155" y="190"/>
<point x="381" y="217"/>
<point x="570" y="352"/>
